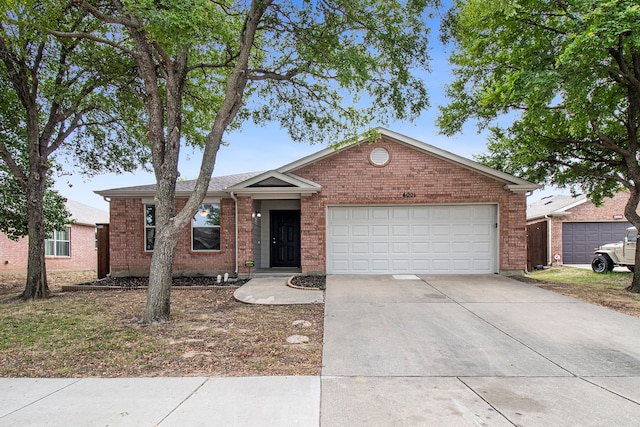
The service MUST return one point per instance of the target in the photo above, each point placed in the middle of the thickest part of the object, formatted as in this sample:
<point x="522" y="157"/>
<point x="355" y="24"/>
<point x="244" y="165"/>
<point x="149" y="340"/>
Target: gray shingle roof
<point x="553" y="204"/>
<point x="217" y="184"/>
<point x="86" y="215"/>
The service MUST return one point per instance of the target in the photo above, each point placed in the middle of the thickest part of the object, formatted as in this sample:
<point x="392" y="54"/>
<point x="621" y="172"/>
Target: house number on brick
<point x="409" y="195"/>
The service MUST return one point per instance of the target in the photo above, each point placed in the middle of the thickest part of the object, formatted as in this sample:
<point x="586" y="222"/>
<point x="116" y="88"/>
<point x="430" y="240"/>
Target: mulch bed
<point x="304" y="281"/>
<point x="142" y="282"/>
<point x="309" y="281"/>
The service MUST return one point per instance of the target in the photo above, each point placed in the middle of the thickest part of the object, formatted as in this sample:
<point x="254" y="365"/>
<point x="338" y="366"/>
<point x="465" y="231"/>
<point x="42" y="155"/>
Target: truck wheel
<point x="602" y="264"/>
<point x="630" y="268"/>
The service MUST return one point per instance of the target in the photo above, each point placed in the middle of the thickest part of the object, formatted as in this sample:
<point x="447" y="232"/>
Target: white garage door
<point x="456" y="239"/>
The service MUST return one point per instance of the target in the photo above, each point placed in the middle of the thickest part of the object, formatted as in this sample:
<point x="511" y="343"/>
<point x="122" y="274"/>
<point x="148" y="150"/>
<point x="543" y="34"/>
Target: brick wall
<point x="83" y="255"/>
<point x="126" y="235"/>
<point x="349" y="178"/>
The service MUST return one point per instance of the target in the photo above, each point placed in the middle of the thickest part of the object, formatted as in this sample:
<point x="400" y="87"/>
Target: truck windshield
<point x="632" y="236"/>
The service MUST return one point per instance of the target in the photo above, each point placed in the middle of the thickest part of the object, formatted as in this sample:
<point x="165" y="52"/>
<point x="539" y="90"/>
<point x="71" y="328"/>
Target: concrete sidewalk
<point x="255" y="401"/>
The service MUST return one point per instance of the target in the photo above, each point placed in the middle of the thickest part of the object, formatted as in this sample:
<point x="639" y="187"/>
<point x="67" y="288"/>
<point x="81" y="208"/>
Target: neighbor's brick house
<point x="71" y="249"/>
<point x="393" y="206"/>
<point x="575" y="226"/>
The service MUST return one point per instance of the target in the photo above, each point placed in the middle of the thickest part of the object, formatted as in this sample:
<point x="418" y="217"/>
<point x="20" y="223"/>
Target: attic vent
<point x="379" y="157"/>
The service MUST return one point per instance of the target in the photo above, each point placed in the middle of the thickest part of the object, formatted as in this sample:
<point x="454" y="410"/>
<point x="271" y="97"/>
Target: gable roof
<point x="86" y="215"/>
<point x="555" y="205"/>
<point x="511" y="182"/>
<point x="285" y="181"/>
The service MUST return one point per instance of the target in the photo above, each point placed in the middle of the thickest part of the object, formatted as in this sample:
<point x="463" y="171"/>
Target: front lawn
<point x="96" y="333"/>
<point x="605" y="289"/>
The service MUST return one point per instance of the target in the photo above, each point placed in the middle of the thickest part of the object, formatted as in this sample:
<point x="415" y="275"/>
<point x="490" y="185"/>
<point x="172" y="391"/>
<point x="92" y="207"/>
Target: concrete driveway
<point x="474" y="350"/>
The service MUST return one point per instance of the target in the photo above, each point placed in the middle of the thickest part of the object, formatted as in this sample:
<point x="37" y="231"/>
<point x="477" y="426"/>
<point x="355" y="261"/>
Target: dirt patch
<point x="97" y="333"/>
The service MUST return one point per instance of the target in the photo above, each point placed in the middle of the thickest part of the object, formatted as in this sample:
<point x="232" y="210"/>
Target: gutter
<point x="235" y="199"/>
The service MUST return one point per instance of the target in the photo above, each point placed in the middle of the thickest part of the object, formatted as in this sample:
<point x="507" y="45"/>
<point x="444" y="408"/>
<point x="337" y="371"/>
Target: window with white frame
<point x="205" y="228"/>
<point x="58" y="243"/>
<point x="149" y="227"/>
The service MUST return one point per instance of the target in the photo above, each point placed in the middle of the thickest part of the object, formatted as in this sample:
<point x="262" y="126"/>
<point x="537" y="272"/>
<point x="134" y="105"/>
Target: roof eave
<point x="522" y="188"/>
<point x="515" y="184"/>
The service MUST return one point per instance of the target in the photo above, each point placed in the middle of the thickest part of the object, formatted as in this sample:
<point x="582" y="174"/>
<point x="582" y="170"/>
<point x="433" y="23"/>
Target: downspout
<point x="235" y="199"/>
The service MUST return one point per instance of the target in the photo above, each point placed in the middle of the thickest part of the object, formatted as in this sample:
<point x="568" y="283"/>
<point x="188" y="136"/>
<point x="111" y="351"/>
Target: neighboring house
<point x="393" y="206"/>
<point x="73" y="248"/>
<point x="566" y="229"/>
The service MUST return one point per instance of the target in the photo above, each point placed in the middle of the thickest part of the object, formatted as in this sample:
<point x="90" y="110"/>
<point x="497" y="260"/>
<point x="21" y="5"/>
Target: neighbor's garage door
<point x="579" y="239"/>
<point x="411" y="239"/>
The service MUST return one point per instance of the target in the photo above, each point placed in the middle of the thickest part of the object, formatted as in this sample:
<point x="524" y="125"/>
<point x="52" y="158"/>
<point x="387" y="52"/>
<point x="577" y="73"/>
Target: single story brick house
<point x="392" y="206"/>
<point x="569" y="228"/>
<point x="71" y="249"/>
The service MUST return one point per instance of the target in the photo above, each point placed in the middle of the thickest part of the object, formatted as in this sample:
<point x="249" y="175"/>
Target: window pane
<point x="62" y="234"/>
<point x="150" y="214"/>
<point x="207" y="215"/>
<point x="62" y="248"/>
<point x="48" y="247"/>
<point x="149" y="238"/>
<point x="206" y="239"/>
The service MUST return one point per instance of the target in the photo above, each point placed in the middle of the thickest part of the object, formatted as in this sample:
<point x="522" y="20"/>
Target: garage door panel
<point x="400" y="248"/>
<point x="440" y="230"/>
<point x="360" y="248"/>
<point x="420" y="230"/>
<point x="411" y="239"/>
<point x="440" y="247"/>
<point x="419" y="248"/>
<point x="380" y="248"/>
<point x="579" y="239"/>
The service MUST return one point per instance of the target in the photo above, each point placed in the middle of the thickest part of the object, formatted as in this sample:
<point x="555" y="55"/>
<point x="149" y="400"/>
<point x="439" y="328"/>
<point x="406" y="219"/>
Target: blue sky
<point x="263" y="148"/>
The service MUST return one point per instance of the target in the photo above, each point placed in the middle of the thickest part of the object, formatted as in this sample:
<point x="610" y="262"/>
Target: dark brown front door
<point x="285" y="238"/>
<point x="103" y="250"/>
<point x="536" y="245"/>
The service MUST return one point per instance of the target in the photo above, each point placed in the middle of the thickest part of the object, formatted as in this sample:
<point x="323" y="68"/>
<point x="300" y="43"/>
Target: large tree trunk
<point x="633" y="217"/>
<point x="36" y="284"/>
<point x="158" y="307"/>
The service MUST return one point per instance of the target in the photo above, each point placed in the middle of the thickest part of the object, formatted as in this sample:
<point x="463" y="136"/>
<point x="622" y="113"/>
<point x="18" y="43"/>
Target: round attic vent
<point x="379" y="156"/>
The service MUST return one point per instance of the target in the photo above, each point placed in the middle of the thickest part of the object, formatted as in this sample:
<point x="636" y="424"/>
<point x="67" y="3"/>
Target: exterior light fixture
<point x="256" y="214"/>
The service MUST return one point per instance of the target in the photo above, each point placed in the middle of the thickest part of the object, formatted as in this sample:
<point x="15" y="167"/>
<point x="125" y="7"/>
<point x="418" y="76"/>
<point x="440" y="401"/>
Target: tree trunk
<point x="158" y="307"/>
<point x="36" y="284"/>
<point x="633" y="217"/>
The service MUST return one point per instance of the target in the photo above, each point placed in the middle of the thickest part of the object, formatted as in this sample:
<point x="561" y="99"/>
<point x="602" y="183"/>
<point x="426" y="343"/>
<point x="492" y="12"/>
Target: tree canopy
<point x="60" y="97"/>
<point x="558" y="86"/>
<point x="323" y="70"/>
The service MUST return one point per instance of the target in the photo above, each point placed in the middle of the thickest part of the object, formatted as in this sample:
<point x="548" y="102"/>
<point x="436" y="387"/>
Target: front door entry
<point x="285" y="238"/>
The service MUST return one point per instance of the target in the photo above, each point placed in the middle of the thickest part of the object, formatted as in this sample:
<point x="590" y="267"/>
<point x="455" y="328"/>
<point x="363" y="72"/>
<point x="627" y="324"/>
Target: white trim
<point x="219" y="227"/>
<point x="145" y="226"/>
<point x="55" y="242"/>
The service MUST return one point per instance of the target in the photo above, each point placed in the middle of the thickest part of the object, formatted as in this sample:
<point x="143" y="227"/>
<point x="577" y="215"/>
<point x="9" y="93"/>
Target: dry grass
<point x="607" y="290"/>
<point x="95" y="333"/>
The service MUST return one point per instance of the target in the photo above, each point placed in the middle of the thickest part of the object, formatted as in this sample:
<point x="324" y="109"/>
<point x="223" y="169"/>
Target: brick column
<point x="245" y="234"/>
